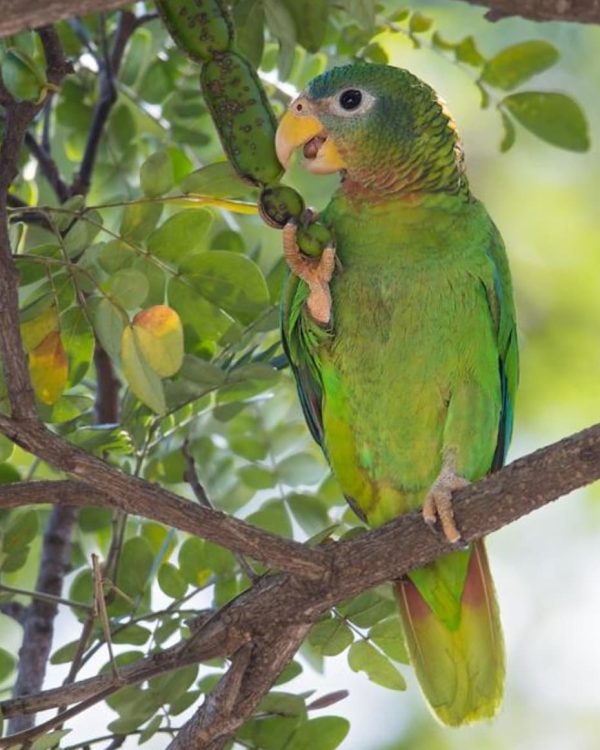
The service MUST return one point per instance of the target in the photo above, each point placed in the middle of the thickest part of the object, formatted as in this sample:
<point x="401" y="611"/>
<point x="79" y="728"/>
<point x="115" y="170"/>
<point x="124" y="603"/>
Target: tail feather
<point x="460" y="669"/>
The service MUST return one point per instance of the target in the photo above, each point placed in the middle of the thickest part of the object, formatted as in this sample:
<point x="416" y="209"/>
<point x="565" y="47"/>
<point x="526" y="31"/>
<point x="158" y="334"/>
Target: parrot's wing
<point x="503" y="313"/>
<point x="301" y="338"/>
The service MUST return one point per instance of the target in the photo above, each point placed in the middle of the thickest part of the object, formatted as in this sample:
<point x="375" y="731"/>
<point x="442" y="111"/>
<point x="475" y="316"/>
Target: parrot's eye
<point x="350" y="99"/>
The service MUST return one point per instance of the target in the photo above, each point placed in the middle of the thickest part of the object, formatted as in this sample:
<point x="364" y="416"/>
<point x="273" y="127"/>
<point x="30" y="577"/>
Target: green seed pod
<point x="243" y="116"/>
<point x="313" y="239"/>
<point x="200" y="28"/>
<point x="278" y="204"/>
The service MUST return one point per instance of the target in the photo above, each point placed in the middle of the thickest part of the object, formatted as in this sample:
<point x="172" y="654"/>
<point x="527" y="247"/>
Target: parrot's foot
<point x="316" y="272"/>
<point x="438" y="503"/>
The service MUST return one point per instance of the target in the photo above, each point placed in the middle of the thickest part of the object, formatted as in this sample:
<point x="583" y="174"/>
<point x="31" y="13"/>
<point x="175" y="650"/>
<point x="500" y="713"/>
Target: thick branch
<point x="18" y="15"/>
<point x="142" y="498"/>
<point x="278" y="603"/>
<point x="579" y="11"/>
<point x="38" y="624"/>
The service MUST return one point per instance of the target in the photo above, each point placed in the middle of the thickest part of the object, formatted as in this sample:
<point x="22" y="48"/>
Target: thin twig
<point x="190" y="475"/>
<point x="44" y="597"/>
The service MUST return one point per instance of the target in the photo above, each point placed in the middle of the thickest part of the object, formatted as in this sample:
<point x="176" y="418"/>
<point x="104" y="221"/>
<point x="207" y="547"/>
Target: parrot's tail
<point x="461" y="668"/>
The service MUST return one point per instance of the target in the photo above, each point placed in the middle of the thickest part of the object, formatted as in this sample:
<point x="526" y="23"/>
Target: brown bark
<point x="17" y="15"/>
<point x="577" y="11"/>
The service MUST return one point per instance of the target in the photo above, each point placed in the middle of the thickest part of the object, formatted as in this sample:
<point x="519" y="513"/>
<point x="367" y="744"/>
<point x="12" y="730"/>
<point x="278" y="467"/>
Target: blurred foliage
<point x="168" y="266"/>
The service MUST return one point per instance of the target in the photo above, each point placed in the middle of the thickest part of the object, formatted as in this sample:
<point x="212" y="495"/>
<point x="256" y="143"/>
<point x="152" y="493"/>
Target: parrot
<point x="401" y="337"/>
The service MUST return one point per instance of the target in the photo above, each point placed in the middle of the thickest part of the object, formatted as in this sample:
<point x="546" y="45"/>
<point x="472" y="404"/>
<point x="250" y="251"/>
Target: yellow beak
<point x="320" y="155"/>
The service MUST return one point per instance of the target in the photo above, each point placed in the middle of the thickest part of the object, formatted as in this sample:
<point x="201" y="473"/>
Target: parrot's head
<point x="380" y="126"/>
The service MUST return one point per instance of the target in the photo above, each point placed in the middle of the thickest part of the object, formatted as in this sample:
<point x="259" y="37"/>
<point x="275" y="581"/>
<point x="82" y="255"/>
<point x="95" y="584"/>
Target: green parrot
<point x="403" y="345"/>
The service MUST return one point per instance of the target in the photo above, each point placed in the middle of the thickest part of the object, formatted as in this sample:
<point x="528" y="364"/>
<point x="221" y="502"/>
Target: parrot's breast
<point x="412" y="335"/>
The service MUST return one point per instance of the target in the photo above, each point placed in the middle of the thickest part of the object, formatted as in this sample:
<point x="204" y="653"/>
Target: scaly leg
<point x="316" y="272"/>
<point x="438" y="503"/>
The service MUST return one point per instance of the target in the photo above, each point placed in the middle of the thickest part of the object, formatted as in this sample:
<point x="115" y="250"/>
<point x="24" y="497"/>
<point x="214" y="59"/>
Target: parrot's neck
<point x="430" y="163"/>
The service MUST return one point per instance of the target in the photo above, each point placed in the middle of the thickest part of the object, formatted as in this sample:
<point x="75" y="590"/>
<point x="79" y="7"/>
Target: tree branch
<point x="142" y="498"/>
<point x="17" y="15"/>
<point x="109" y="66"/>
<point x="38" y="627"/>
<point x="278" y="604"/>
<point x="47" y="167"/>
<point x="578" y="11"/>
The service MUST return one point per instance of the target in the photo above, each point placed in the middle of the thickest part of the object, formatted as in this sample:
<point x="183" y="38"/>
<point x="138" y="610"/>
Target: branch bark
<point x="275" y="614"/>
<point x="17" y="15"/>
<point x="577" y="11"/>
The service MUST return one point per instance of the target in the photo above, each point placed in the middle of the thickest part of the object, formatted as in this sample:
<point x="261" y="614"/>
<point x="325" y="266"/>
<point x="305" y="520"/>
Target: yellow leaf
<point x="159" y="335"/>
<point x="49" y="368"/>
<point x="34" y="331"/>
<point x="142" y="379"/>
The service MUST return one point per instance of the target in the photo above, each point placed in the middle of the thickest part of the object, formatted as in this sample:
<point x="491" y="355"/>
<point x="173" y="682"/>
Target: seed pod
<point x="243" y="116"/>
<point x="200" y="28"/>
<point x="313" y="239"/>
<point x="278" y="204"/>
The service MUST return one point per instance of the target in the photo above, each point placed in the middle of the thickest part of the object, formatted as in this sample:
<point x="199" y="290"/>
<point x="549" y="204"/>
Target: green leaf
<point x="203" y="322"/>
<point x="229" y="280"/>
<point x="50" y="740"/>
<point x="367" y="609"/>
<point x="280" y="21"/>
<point x="191" y="560"/>
<point x="7" y="664"/>
<point x="330" y="637"/>
<point x="139" y="219"/>
<point x="94" y="519"/>
<point x="324" y="733"/>
<point x="81" y="233"/>
<point x="249" y="18"/>
<point x="128" y="288"/>
<point x="218" y="180"/>
<point x="299" y="469"/>
<point x="181" y="235"/>
<point x="283" y="704"/>
<point x="257" y="477"/>
<point x="6" y="448"/>
<point x="363" y="657"/>
<point x="292" y="670"/>
<point x="389" y="636"/>
<point x="142" y="379"/>
<point x="272" y="517"/>
<point x="134" y="634"/>
<point x="150" y="730"/>
<point x="78" y="341"/>
<point x="466" y="51"/>
<point x="555" y="118"/>
<point x="171" y="581"/>
<point x="518" y="63"/>
<point x="309" y="511"/>
<point x="20" y="532"/>
<point x="156" y="174"/>
<point x="22" y="76"/>
<point x="310" y="21"/>
<point x="82" y="587"/>
<point x="109" y="322"/>
<point x="65" y="654"/>
<point x="134" y="566"/>
<point x="509" y="133"/>
<point x="201" y="372"/>
<point x="362" y="11"/>
<point x="419" y="23"/>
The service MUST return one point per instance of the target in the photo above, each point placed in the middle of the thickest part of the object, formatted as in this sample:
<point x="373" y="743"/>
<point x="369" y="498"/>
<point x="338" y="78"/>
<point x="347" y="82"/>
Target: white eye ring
<point x="367" y="101"/>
